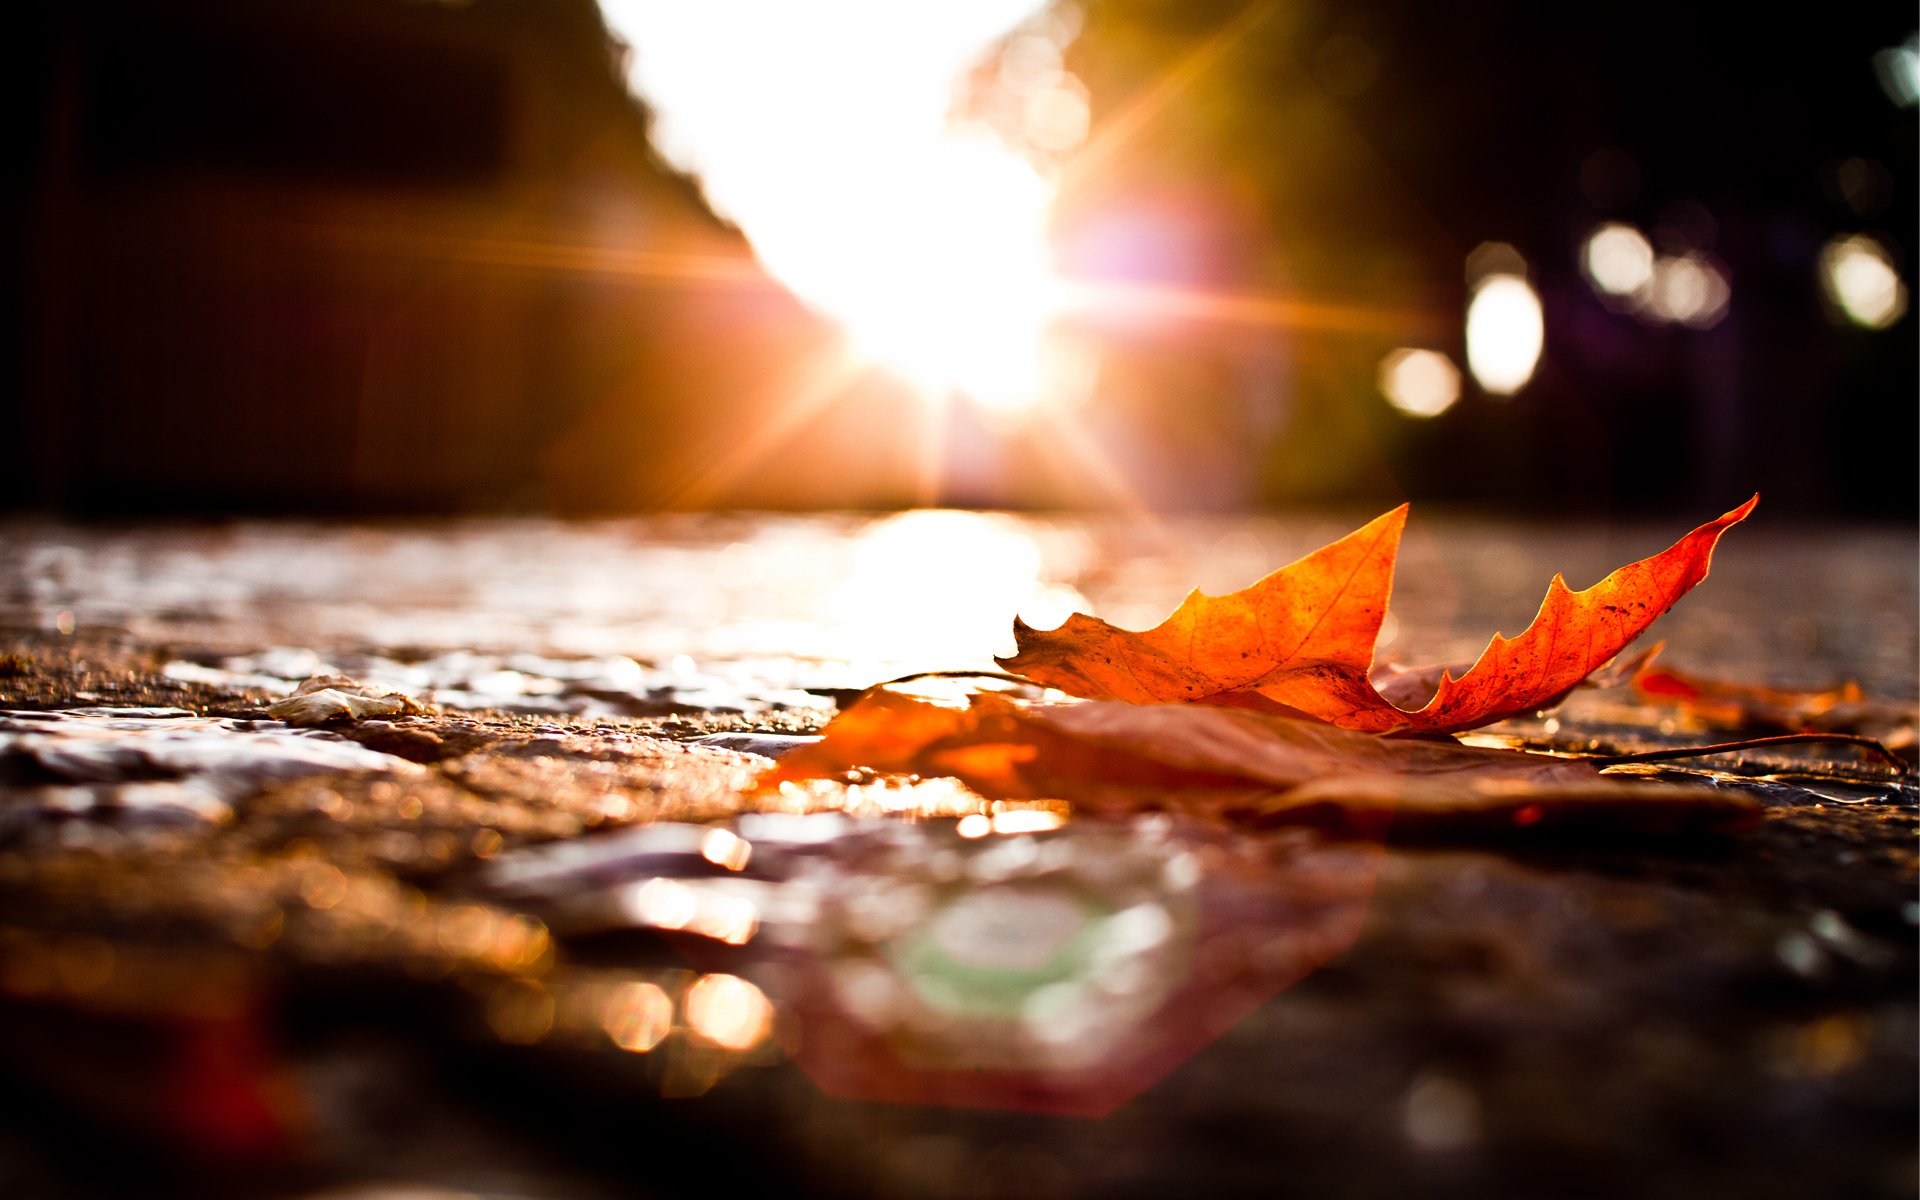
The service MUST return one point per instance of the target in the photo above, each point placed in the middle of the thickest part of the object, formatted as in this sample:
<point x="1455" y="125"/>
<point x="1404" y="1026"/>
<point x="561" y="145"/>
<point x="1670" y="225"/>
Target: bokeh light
<point x="665" y="904"/>
<point x="1688" y="289"/>
<point x="1858" y="276"/>
<point x="725" y="848"/>
<point x="1618" y="259"/>
<point x="1899" y="70"/>
<point x="1420" y="383"/>
<point x="638" y="1016"/>
<point x="728" y="1011"/>
<point x="1505" y="333"/>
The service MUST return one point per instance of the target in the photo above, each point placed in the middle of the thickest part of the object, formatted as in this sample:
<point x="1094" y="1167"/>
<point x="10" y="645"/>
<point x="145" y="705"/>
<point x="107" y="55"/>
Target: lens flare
<point x="827" y="132"/>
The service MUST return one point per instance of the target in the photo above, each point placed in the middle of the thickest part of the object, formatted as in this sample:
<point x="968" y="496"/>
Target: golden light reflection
<point x="730" y="919"/>
<point x="826" y="134"/>
<point x="665" y="904"/>
<point x="699" y="907"/>
<point x="1027" y="820"/>
<point x="1505" y="332"/>
<point x="1858" y="276"/>
<point x="725" y="848"/>
<point x="940" y="587"/>
<point x="638" y="1016"/>
<point x="1420" y="383"/>
<point x="728" y="1011"/>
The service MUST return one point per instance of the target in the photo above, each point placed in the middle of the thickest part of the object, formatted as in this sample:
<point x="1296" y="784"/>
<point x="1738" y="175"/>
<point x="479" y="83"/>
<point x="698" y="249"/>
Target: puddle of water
<point x="1062" y="970"/>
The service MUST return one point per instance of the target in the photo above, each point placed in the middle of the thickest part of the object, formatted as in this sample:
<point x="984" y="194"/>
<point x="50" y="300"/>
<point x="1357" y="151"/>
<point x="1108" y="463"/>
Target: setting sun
<point x="919" y="232"/>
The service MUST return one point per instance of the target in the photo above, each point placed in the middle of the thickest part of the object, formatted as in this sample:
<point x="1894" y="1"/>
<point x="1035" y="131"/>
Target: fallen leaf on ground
<point x="1743" y="705"/>
<point x="1301" y="641"/>
<point x="326" y="698"/>
<point x="1747" y="707"/>
<point x="1213" y="761"/>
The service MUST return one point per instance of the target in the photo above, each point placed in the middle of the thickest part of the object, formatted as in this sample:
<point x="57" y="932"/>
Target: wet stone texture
<point x="545" y="939"/>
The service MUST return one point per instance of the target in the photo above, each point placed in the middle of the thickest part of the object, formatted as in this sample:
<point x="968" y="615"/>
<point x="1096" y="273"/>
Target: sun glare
<point x="827" y="132"/>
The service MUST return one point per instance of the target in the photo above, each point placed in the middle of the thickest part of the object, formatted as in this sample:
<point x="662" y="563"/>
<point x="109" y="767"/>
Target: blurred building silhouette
<point x="360" y="255"/>
<point x="402" y="255"/>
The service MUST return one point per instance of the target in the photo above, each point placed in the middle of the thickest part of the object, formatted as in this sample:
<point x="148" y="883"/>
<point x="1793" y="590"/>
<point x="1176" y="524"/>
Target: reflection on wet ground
<point x="553" y="906"/>
<point x="1058" y="970"/>
<point x="777" y="603"/>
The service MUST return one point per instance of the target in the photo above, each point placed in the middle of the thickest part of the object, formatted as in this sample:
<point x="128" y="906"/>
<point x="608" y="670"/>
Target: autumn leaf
<point x="1301" y="641"/>
<point x="1745" y="705"/>
<point x="1214" y="761"/>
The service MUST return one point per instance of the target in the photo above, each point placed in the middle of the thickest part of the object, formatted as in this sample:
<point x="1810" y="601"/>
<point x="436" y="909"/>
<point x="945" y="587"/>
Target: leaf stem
<point x="1783" y="739"/>
<point x="1002" y="676"/>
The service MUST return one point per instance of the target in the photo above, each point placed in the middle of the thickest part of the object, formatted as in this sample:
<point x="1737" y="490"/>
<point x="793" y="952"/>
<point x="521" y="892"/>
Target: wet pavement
<point x="545" y="941"/>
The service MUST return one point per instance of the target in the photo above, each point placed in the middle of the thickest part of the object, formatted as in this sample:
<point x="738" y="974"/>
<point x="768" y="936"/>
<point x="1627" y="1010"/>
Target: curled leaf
<point x="1301" y="640"/>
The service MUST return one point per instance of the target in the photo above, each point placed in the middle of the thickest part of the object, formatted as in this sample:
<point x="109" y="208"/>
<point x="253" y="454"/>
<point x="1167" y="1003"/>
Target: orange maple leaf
<point x="1301" y="640"/>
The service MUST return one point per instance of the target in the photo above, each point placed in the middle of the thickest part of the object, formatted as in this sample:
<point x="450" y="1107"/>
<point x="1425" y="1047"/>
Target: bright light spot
<point x="1030" y="65"/>
<point x="1688" y="289"/>
<point x="637" y="1016"/>
<point x="974" y="825"/>
<point x="664" y="904"/>
<point x="730" y="919"/>
<point x="938" y="588"/>
<point x="1027" y="820"/>
<point x="1619" y="259"/>
<point x="1420" y="383"/>
<point x="1899" y="70"/>
<point x="826" y="132"/>
<point x="702" y="908"/>
<point x="1057" y="118"/>
<point x="725" y="848"/>
<point x="728" y="1011"/>
<point x="1505" y="333"/>
<point x="1859" y="278"/>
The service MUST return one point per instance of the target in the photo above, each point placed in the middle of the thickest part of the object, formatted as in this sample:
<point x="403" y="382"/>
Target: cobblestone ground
<point x="543" y="940"/>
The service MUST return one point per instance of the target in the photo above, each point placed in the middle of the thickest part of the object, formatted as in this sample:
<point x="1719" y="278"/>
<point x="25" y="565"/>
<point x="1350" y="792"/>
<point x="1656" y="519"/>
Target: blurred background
<point x="449" y="256"/>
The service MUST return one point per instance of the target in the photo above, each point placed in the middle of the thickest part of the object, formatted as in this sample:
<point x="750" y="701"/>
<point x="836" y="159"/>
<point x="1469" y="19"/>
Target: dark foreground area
<point x="543" y="939"/>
